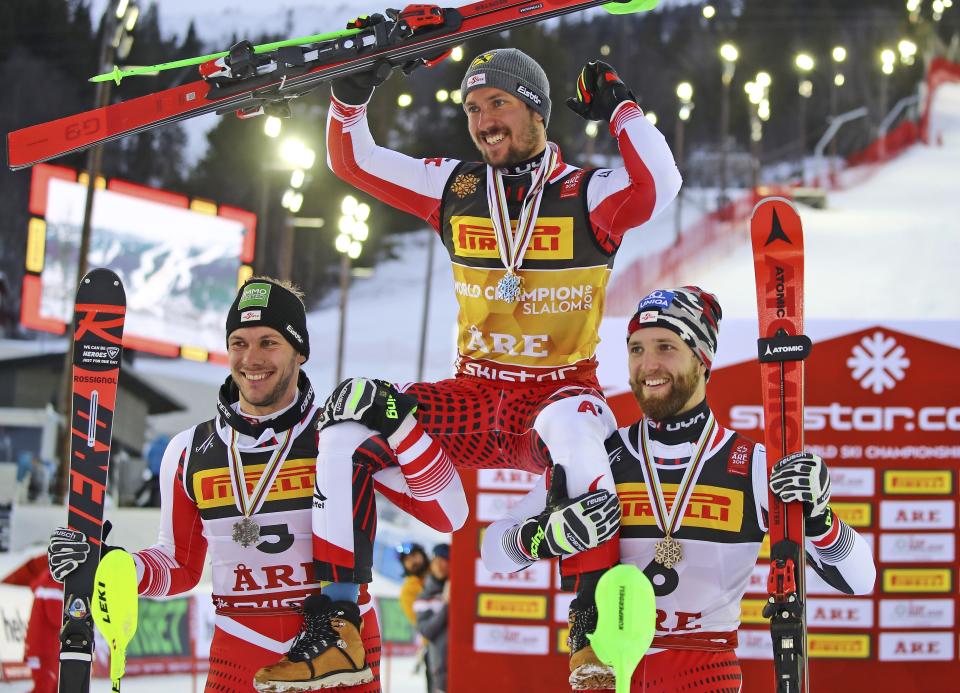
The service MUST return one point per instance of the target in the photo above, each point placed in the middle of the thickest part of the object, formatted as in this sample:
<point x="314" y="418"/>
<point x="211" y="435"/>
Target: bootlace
<point x="316" y="635"/>
<point x="584" y="620"/>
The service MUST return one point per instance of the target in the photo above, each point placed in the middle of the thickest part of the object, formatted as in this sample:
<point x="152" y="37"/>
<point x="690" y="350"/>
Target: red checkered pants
<point x="481" y="424"/>
<point x="687" y="671"/>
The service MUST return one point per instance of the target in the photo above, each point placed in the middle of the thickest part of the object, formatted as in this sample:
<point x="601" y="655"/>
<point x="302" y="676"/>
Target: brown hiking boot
<point x="587" y="672"/>
<point x="328" y="651"/>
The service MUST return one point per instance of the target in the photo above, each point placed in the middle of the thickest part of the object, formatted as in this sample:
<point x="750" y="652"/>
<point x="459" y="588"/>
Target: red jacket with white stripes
<point x="551" y="332"/>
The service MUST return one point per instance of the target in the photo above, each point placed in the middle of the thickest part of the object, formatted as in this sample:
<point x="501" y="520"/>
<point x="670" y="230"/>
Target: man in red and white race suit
<point x="525" y="392"/>
<point x="267" y="427"/>
<point x="671" y="343"/>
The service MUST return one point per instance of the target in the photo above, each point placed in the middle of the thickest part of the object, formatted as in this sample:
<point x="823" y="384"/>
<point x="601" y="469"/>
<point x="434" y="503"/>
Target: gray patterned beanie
<point x="690" y="312"/>
<point x="514" y="72"/>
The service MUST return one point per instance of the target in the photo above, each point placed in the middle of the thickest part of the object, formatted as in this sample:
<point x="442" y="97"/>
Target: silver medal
<point x="246" y="532"/>
<point x="508" y="288"/>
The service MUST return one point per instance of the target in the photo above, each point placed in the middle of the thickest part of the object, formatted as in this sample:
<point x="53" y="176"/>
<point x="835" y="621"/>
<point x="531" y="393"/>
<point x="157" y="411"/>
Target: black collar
<point x="229" y="393"/>
<point x="523" y="167"/>
<point x="682" y="428"/>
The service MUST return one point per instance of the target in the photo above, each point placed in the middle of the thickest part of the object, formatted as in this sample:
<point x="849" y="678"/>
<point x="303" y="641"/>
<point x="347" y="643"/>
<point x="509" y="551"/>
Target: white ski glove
<point x="568" y="526"/>
<point x="375" y="403"/>
<point x="67" y="549"/>
<point x="802" y="476"/>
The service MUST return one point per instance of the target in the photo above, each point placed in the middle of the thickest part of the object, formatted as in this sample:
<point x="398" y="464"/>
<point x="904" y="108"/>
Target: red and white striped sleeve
<point x="174" y="564"/>
<point x="425" y="484"/>
<point x="412" y="185"/>
<point x="840" y="555"/>
<point x="620" y="199"/>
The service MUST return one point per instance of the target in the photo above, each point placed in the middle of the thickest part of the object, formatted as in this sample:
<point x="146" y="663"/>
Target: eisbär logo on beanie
<point x="255" y="294"/>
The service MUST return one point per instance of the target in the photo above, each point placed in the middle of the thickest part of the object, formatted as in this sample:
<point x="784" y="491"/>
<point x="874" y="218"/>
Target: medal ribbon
<point x="248" y="505"/>
<point x="513" y="246"/>
<point x="670" y="520"/>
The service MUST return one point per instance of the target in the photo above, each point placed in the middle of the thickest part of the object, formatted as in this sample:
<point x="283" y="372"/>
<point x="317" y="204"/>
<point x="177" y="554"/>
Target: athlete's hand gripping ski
<point x="68" y="549"/>
<point x="802" y="476"/>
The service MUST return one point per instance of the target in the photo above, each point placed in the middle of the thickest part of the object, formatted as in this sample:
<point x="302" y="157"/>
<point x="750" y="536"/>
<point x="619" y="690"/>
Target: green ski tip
<point x="626" y="620"/>
<point x="630" y="7"/>
<point x="117" y="74"/>
<point x="114" y="607"/>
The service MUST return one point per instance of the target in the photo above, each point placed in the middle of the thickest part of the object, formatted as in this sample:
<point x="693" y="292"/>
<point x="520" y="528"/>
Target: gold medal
<point x="668" y="552"/>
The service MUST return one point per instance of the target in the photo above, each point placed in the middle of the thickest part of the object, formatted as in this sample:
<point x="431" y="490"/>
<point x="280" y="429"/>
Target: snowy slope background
<point x="882" y="249"/>
<point x="886" y="248"/>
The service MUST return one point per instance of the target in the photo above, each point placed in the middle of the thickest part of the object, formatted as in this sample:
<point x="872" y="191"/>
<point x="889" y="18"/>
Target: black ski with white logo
<point x="97" y="349"/>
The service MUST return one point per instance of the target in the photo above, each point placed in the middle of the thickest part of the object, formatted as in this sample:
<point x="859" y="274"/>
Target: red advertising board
<point x="882" y="409"/>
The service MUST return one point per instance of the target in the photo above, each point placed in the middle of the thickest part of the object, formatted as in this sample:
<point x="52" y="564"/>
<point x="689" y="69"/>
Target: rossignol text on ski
<point x="97" y="348"/>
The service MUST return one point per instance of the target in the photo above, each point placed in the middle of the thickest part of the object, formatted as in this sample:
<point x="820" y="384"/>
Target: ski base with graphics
<point x="97" y="349"/>
<point x="253" y="83"/>
<point x="777" y="238"/>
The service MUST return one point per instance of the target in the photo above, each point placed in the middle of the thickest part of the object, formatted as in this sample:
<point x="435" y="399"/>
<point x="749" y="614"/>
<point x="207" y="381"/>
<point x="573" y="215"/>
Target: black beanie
<point x="265" y="303"/>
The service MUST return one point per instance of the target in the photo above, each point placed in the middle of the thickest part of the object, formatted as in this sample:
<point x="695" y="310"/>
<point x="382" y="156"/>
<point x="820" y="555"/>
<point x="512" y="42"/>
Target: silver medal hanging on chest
<point x="246" y="532"/>
<point x="508" y="288"/>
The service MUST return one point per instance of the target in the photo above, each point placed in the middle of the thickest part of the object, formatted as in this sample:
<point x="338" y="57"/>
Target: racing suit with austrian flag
<point x="698" y="600"/>
<point x="525" y="392"/>
<point x="257" y="589"/>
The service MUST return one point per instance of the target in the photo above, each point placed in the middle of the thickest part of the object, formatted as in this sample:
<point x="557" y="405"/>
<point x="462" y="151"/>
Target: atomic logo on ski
<point x="776" y="231"/>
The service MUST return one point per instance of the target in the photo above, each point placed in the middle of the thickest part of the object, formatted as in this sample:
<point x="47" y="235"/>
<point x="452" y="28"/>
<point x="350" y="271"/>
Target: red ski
<point x="251" y="83"/>
<point x="777" y="238"/>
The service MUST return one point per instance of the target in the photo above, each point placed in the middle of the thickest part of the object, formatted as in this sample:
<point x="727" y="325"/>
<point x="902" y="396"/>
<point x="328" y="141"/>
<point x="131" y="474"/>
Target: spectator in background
<point x="431" y="610"/>
<point x="148" y="495"/>
<point x="415" y="564"/>
<point x="38" y="490"/>
<point x="42" y="644"/>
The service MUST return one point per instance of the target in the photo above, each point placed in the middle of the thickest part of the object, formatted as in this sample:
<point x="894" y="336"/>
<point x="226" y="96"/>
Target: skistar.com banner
<point x="883" y="410"/>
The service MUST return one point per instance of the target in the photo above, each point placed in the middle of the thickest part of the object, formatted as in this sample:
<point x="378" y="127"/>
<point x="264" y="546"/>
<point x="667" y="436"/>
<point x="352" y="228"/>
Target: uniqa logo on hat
<point x="657" y="299"/>
<point x="256" y="294"/>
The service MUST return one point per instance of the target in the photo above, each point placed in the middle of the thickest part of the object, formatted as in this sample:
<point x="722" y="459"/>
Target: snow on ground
<point x="397" y="676"/>
<point x="886" y="248"/>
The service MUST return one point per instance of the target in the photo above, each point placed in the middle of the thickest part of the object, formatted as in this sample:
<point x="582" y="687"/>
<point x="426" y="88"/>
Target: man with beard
<point x="240" y="487"/>
<point x="664" y="466"/>
<point x="531" y="240"/>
